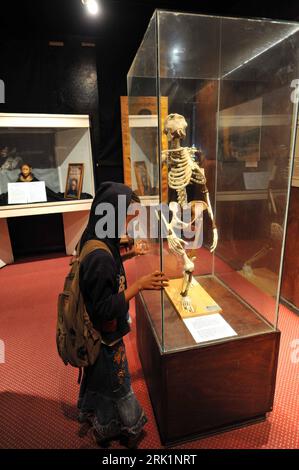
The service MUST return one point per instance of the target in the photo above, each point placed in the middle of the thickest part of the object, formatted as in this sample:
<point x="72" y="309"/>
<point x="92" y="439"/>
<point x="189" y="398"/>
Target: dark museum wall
<point x="52" y="78"/>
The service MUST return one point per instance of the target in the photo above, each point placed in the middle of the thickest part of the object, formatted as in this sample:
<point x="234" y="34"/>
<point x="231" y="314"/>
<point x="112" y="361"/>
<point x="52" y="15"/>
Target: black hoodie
<point x="102" y="277"/>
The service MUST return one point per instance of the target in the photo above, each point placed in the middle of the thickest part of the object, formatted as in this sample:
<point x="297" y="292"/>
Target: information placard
<point x="209" y="328"/>
<point x="27" y="193"/>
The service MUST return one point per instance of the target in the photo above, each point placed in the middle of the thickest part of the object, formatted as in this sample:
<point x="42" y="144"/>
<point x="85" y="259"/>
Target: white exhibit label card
<point x="209" y="327"/>
<point x="27" y="193"/>
<point x="256" y="180"/>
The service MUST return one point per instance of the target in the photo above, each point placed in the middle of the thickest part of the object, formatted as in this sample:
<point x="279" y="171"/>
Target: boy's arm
<point x="98" y="278"/>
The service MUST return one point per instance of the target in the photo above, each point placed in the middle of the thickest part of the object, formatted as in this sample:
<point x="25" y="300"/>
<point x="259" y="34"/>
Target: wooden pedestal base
<point x="74" y="224"/>
<point x="6" y="254"/>
<point x="202" y="302"/>
<point x="204" y="390"/>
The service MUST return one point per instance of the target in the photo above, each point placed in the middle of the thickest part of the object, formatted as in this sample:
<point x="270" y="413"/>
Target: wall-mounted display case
<point x="55" y="146"/>
<point x="48" y="143"/>
<point x="232" y="81"/>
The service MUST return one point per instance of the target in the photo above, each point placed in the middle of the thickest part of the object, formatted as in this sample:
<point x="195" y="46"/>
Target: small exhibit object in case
<point x="74" y="181"/>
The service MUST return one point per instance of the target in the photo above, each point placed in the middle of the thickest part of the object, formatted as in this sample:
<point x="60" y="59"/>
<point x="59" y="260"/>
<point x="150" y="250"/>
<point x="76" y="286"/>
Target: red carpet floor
<point x="38" y="393"/>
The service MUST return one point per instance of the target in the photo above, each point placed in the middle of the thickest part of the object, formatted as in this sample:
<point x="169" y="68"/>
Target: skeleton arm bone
<point x="164" y="156"/>
<point x="196" y="207"/>
<point x="198" y="177"/>
<point x="176" y="244"/>
<point x="176" y="213"/>
<point x="215" y="231"/>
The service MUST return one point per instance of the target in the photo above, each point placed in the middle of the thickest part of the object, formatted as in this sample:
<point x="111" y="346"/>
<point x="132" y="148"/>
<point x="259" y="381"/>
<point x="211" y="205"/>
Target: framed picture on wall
<point x="74" y="181"/>
<point x="142" y="178"/>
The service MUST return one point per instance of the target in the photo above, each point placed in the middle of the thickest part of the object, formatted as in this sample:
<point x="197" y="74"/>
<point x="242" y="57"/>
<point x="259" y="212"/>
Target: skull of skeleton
<point x="175" y="126"/>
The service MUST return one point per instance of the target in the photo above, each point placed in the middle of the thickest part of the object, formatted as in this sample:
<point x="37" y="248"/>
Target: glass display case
<point x="226" y="148"/>
<point x="48" y="143"/>
<point x="53" y="154"/>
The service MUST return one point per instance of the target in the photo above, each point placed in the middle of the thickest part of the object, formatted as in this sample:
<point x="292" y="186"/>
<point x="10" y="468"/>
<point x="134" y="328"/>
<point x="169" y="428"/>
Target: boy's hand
<point x="135" y="251"/>
<point x="154" y="281"/>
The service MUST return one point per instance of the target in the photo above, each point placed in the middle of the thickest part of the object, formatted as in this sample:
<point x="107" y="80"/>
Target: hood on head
<point x="107" y="192"/>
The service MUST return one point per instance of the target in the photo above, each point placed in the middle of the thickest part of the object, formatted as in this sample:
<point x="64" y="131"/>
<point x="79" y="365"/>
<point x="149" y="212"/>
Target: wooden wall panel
<point x="126" y="140"/>
<point x="136" y="104"/>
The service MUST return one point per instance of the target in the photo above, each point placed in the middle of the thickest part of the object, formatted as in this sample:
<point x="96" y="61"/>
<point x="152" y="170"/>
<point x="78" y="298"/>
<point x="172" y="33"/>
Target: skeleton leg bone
<point x="176" y="245"/>
<point x="187" y="283"/>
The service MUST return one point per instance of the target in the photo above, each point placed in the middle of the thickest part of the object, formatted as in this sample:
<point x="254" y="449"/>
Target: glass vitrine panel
<point x="229" y="85"/>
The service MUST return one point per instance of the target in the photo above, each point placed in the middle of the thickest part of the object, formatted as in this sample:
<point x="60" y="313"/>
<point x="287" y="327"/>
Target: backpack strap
<point x="91" y="246"/>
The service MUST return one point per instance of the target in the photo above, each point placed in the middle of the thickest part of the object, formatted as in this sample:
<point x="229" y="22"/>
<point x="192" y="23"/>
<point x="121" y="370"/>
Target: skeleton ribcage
<point x="182" y="171"/>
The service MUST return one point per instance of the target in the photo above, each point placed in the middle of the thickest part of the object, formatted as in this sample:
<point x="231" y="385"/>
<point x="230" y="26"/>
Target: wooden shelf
<point x="58" y="207"/>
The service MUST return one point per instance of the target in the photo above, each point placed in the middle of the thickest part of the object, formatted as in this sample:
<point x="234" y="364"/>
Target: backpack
<point x="78" y="343"/>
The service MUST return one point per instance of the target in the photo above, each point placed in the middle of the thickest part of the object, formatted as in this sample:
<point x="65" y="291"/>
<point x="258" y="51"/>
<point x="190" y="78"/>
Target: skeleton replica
<point x="183" y="171"/>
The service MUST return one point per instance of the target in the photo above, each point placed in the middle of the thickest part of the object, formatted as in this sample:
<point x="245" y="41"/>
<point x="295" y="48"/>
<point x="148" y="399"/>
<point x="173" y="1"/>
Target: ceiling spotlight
<point x="92" y="6"/>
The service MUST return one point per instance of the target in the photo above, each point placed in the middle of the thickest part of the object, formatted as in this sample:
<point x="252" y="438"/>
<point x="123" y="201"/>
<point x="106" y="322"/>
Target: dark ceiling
<point x="57" y="18"/>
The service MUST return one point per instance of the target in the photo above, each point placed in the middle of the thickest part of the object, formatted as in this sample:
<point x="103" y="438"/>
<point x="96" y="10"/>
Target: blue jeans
<point x="106" y="393"/>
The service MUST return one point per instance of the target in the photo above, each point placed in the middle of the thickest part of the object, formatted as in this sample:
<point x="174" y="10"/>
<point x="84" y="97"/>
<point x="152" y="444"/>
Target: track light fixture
<point x="92" y="6"/>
